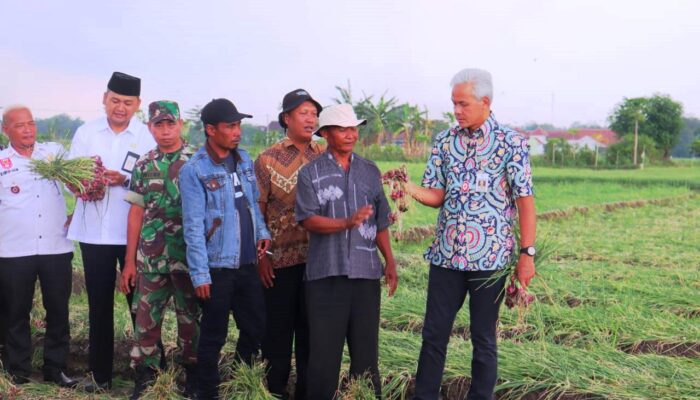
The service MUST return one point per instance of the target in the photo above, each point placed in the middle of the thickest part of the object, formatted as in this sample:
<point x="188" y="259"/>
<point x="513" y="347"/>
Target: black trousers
<point x="447" y="290"/>
<point x="286" y="325"/>
<point x="3" y="330"/>
<point x="232" y="290"/>
<point x="100" y="265"/>
<point x="18" y="277"/>
<point x="341" y="309"/>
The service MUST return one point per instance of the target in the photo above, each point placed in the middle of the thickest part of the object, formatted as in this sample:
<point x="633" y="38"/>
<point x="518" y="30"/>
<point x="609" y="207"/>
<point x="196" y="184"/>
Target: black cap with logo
<point x="293" y="100"/>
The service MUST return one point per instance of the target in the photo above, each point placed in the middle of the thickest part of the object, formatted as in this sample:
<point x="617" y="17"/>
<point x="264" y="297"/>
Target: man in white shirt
<point x="119" y="138"/>
<point x="33" y="245"/>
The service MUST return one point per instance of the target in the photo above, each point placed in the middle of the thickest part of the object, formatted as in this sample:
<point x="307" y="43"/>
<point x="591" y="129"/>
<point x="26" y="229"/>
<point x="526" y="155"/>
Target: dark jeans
<point x="232" y="290"/>
<point x="341" y="309"/>
<point x="18" y="277"/>
<point x="447" y="290"/>
<point x="286" y="325"/>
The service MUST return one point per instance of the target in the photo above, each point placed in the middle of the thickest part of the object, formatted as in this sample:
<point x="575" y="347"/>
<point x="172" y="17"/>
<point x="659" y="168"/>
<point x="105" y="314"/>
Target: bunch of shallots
<point x="83" y="176"/>
<point x="396" y="179"/>
<point x="517" y="296"/>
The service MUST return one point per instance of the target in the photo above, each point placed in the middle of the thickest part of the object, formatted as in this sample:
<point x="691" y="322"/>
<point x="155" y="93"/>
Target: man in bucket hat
<point x="225" y="234"/>
<point x="155" y="250"/>
<point x="341" y="202"/>
<point x="282" y="272"/>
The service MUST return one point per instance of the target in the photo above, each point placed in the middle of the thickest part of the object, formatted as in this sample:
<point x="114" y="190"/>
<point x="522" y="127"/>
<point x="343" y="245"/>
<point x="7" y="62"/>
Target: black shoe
<point x="97" y="387"/>
<point x="190" y="391"/>
<point x="144" y="378"/>
<point x="19" y="379"/>
<point x="58" y="377"/>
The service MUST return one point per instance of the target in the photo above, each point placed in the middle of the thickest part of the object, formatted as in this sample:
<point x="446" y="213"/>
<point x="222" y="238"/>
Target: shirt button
<point x="39" y="236"/>
<point x="39" y="215"/>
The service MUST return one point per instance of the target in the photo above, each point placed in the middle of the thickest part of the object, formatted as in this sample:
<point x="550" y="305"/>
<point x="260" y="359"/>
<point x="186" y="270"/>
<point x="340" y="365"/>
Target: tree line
<point x="401" y="131"/>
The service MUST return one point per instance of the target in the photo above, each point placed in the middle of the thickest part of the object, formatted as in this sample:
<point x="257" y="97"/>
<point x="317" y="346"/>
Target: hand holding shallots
<point x="83" y="176"/>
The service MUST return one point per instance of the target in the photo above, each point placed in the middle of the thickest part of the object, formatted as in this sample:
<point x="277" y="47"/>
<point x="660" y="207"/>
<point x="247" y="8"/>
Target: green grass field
<point x="617" y="316"/>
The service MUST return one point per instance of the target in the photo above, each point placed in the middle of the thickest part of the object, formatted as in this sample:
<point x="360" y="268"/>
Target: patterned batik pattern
<point x="277" y="171"/>
<point x="475" y="224"/>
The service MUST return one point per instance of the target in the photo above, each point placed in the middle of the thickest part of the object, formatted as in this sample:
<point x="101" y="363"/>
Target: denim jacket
<point x="209" y="214"/>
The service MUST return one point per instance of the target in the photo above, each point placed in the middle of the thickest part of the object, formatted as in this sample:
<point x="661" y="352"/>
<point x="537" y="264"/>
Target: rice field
<point x="617" y="314"/>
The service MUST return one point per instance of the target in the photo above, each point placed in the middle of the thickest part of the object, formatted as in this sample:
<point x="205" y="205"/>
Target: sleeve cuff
<point x="134" y="198"/>
<point x="200" y="279"/>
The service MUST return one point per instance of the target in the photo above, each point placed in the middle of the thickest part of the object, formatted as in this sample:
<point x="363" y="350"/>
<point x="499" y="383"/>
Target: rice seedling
<point x="244" y="382"/>
<point x="357" y="388"/>
<point x="165" y="386"/>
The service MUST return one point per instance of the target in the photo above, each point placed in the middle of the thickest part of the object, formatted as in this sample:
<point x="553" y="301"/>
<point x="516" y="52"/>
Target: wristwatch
<point x="126" y="183"/>
<point x="529" y="250"/>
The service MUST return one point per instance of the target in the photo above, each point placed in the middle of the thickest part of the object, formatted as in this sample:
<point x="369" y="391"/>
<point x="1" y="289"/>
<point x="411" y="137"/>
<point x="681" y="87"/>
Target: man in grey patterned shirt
<point x="340" y="201"/>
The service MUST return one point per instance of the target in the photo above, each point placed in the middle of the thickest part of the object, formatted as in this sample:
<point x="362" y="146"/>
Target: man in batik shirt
<point x="479" y="174"/>
<point x="155" y="254"/>
<point x="341" y="202"/>
<point x="282" y="272"/>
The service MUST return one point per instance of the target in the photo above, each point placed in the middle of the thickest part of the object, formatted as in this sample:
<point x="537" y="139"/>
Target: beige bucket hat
<point x="338" y="115"/>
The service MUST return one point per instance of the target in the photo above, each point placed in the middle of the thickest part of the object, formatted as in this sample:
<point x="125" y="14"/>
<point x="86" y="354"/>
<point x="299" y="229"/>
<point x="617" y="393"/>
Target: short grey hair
<point x="12" y="108"/>
<point x="480" y="80"/>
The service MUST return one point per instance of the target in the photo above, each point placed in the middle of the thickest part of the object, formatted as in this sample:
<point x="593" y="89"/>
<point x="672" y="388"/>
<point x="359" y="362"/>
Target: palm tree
<point x="345" y="95"/>
<point x="378" y="116"/>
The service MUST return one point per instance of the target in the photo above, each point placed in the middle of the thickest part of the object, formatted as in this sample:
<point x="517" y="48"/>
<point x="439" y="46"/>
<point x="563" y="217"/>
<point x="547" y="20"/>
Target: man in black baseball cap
<point x="223" y="246"/>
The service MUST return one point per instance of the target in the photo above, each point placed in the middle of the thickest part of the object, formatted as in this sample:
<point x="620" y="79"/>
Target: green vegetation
<point x="616" y="316"/>
<point x="658" y="117"/>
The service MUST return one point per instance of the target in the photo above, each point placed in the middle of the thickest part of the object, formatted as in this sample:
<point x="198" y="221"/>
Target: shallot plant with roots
<point x="396" y="180"/>
<point x="83" y="176"/>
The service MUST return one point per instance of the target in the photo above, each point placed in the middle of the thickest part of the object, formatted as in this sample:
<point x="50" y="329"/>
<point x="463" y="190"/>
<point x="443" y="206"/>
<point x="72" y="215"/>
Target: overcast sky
<point x="555" y="61"/>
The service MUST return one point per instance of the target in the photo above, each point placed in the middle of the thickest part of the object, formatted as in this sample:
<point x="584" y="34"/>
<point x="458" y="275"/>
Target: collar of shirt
<point x="287" y="143"/>
<point x="129" y="129"/>
<point x="38" y="151"/>
<point x="331" y="157"/>
<point x="215" y="157"/>
<point x="482" y="131"/>
<point x="185" y="148"/>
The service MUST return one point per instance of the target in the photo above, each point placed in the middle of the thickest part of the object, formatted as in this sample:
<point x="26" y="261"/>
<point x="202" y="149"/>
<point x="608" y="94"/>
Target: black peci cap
<point x="124" y="84"/>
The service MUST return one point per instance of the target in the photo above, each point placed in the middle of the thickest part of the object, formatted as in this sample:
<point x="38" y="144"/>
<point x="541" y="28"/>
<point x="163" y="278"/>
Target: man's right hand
<point x="114" y="178"/>
<point x="360" y="216"/>
<point x="266" y="272"/>
<point x="203" y="292"/>
<point x="128" y="278"/>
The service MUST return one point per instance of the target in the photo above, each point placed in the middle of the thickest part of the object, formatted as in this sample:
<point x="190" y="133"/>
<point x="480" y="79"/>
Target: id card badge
<point x="129" y="162"/>
<point x="482" y="182"/>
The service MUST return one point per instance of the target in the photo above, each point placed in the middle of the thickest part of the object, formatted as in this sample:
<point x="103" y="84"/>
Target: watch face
<point x="531" y="251"/>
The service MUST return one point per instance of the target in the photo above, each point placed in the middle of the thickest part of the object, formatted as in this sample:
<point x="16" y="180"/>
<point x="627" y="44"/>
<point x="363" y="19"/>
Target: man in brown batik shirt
<point x="282" y="271"/>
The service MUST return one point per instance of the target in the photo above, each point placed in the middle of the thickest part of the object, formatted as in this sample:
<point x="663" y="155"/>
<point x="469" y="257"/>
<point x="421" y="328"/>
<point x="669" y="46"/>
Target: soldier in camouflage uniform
<point x="155" y="255"/>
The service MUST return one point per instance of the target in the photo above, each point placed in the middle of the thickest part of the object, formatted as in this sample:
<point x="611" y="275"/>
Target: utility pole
<point x="636" y="139"/>
<point x="596" y="156"/>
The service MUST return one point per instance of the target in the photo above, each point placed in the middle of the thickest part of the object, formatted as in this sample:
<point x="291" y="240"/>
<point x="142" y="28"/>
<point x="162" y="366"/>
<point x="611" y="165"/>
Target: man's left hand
<point x="525" y="270"/>
<point x="391" y="278"/>
<point x="115" y="178"/>
<point x="263" y="246"/>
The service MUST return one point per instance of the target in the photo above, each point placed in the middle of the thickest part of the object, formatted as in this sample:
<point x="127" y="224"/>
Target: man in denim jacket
<point x="225" y="233"/>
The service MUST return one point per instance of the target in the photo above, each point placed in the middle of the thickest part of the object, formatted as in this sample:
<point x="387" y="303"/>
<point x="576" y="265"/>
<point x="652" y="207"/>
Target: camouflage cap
<point x="163" y="109"/>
